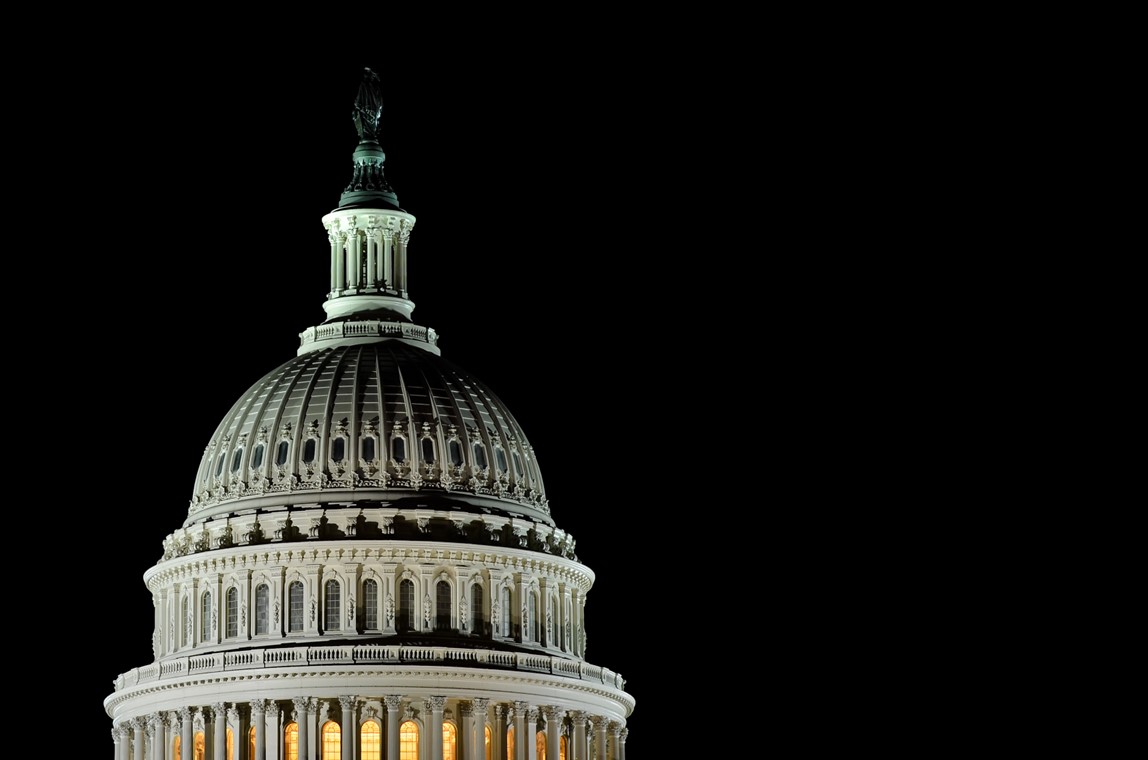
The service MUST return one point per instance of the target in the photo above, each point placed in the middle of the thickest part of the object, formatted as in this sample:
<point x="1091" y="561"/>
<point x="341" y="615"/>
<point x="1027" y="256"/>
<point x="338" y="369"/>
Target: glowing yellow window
<point x="510" y="744"/>
<point x="332" y="746"/>
<point x="562" y="748"/>
<point x="370" y="739"/>
<point x="291" y="741"/>
<point x="409" y="741"/>
<point x="540" y="744"/>
<point x="449" y="741"/>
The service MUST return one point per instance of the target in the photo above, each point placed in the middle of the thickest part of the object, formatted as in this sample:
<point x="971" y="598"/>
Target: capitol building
<point x="369" y="568"/>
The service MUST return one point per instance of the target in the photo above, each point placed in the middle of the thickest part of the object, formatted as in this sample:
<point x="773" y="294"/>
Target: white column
<point x="219" y="750"/>
<point x="392" y="703"/>
<point x="354" y="267"/>
<point x="185" y="734"/>
<point x="158" y="724"/>
<point x="387" y="272"/>
<point x="532" y="734"/>
<point x="349" y="726"/>
<point x="498" y="737"/>
<point x="301" y="720"/>
<point x="600" y="736"/>
<point x="401" y="263"/>
<point x="340" y="262"/>
<point x="372" y="237"/>
<point x="335" y="253"/>
<point x="519" y="731"/>
<point x="259" y="718"/>
<point x="478" y="745"/>
<point x="120" y="739"/>
<point x="577" y="750"/>
<point x="138" y="738"/>
<point x="435" y="727"/>
<point x="465" y="730"/>
<point x="553" y="715"/>
<point x="622" y="743"/>
<point x="238" y="718"/>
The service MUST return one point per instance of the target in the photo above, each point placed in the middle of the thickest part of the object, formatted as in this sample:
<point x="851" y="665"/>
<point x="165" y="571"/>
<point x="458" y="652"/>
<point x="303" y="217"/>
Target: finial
<point x="368" y="187"/>
<point x="368" y="107"/>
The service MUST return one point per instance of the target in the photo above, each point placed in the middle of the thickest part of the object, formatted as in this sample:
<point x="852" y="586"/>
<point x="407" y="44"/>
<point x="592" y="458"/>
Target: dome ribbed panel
<point x="367" y="391"/>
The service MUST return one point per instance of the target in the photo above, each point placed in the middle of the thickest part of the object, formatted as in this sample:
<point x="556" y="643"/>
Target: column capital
<point x="552" y="712"/>
<point x="219" y="711"/>
<point x="184" y="714"/>
<point x="392" y="702"/>
<point x="347" y="703"/>
<point x="300" y="706"/>
<point x="531" y="714"/>
<point x="233" y="712"/>
<point x="155" y="720"/>
<point x="599" y="724"/>
<point x="480" y="705"/>
<point x="138" y="723"/>
<point x="259" y="706"/>
<point x="434" y="703"/>
<point x="579" y="717"/>
<point x="623" y="734"/>
<point x="503" y="710"/>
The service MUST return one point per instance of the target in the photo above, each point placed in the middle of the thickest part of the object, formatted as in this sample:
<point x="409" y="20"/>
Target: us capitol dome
<point x="369" y="568"/>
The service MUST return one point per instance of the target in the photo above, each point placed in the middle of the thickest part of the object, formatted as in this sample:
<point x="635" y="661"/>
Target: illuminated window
<point x="371" y="605"/>
<point x="291" y="741"/>
<point x="455" y="453"/>
<point x="232" y="612"/>
<point x="540" y="744"/>
<point x="409" y="741"/>
<point x="251" y="743"/>
<point x="205" y="617"/>
<point x="479" y="455"/>
<point x="370" y="740"/>
<point x="257" y="458"/>
<point x="562" y="748"/>
<point x="295" y="606"/>
<point x="449" y="742"/>
<point x="428" y="450"/>
<point x="506" y="608"/>
<point x="442" y="606"/>
<point x="476" y="608"/>
<point x="406" y="621"/>
<point x="230" y="745"/>
<point x="338" y="449"/>
<point x="262" y="603"/>
<point x="486" y="731"/>
<point x="175" y="748"/>
<point x="309" y="451"/>
<point x="281" y="455"/>
<point x="369" y="449"/>
<point x="200" y="748"/>
<point x="510" y="743"/>
<point x="332" y="745"/>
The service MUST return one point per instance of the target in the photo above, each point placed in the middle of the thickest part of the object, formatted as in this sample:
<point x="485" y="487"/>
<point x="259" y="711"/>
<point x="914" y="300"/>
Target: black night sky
<point x="548" y="228"/>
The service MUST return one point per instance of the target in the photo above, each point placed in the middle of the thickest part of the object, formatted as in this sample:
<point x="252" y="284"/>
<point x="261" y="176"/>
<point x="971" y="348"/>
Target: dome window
<point x="398" y="450"/>
<point x="339" y="449"/>
<point x="517" y="463"/>
<point x="370" y="605"/>
<point x="257" y="457"/>
<point x="281" y="455"/>
<point x="205" y="617"/>
<point x="219" y="463"/>
<point x="236" y="459"/>
<point x="406" y="620"/>
<point x="479" y="455"/>
<point x="295" y="607"/>
<point x="262" y="604"/>
<point x="332" y="610"/>
<point x="309" y="451"/>
<point x="427" y="450"/>
<point x="369" y="449"/>
<point x="232" y="612"/>
<point x="455" y="449"/>
<point x="500" y="459"/>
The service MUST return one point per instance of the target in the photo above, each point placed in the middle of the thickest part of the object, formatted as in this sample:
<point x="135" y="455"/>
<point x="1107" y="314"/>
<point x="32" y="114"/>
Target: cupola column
<point x="385" y="276"/>
<point x="435" y="725"/>
<point x="354" y="264"/>
<point x="185" y="736"/>
<point x="158" y="725"/>
<point x="478" y="736"/>
<point x="393" y="703"/>
<point x="578" y="750"/>
<point x="219" y="716"/>
<point x="348" y="734"/>
<point x="118" y="740"/>
<point x="237" y="716"/>
<point x="498" y="748"/>
<point x="553" y="715"/>
<point x="519" y="731"/>
<point x="259" y="718"/>
<point x="622" y="743"/>
<point x="302" y="719"/>
<point x="600" y="736"/>
<point x="138" y="738"/>
<point x="530" y="734"/>
<point x="465" y="730"/>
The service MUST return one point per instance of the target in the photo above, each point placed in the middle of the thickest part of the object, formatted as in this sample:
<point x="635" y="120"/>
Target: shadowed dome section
<point x="375" y="422"/>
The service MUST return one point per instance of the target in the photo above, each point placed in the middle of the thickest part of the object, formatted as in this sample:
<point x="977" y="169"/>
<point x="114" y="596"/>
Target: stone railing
<point x="369" y="328"/>
<point x="369" y="654"/>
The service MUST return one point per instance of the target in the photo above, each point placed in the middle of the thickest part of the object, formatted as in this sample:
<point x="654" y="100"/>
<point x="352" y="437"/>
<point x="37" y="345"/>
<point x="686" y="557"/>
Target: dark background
<point x="556" y="251"/>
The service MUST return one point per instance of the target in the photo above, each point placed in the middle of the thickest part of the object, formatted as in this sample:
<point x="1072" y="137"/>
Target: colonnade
<point x="258" y="727"/>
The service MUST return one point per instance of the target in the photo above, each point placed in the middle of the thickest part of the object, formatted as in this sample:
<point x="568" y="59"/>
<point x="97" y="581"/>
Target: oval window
<point x="236" y="459"/>
<point x="257" y="458"/>
<point x="309" y="451"/>
<point x="281" y="455"/>
<point x="219" y="465"/>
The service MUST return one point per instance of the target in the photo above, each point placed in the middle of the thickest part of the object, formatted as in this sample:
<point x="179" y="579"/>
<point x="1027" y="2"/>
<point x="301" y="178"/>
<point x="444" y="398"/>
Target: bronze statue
<point x="369" y="107"/>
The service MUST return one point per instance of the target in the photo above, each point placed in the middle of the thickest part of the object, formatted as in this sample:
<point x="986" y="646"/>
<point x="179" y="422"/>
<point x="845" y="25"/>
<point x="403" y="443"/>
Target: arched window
<point x="510" y="743"/>
<point x="442" y="606"/>
<point x="506" y="610"/>
<point x="427" y="450"/>
<point x="455" y="449"/>
<point x="309" y="451"/>
<point x="409" y="741"/>
<point x="406" y="621"/>
<point x="291" y="741"/>
<point x="232" y="612"/>
<point x="219" y="463"/>
<point x="200" y="747"/>
<point x="262" y="605"/>
<point x="369" y="449"/>
<point x="370" y="605"/>
<point x="251" y="743"/>
<point x="339" y="449"/>
<point x="476" y="616"/>
<point x="370" y="740"/>
<point x="486" y="732"/>
<point x="236" y="459"/>
<point x="186" y="622"/>
<point x="175" y="746"/>
<point x="257" y="457"/>
<point x="230" y="745"/>
<point x="205" y="617"/>
<point x="540" y="743"/>
<point x="281" y="455"/>
<point x="331" y="606"/>
<point x="479" y="455"/>
<point x="450" y="742"/>
<point x="561" y="748"/>
<point x="295" y="607"/>
<point x="331" y="741"/>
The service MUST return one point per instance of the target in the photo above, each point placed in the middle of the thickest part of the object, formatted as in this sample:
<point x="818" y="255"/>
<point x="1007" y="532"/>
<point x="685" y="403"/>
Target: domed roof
<point x="377" y="421"/>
